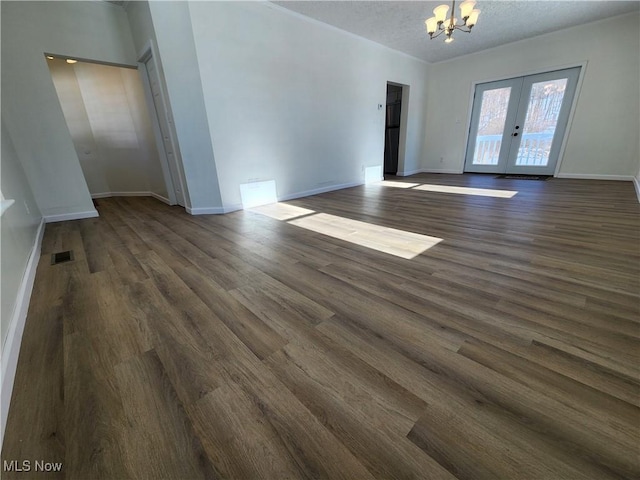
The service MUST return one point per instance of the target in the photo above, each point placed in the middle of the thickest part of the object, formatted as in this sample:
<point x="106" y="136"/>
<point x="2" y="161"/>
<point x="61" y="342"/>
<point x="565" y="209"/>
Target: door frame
<point x="572" y="111"/>
<point x="510" y="117"/>
<point x="149" y="52"/>
<point x="404" y="119"/>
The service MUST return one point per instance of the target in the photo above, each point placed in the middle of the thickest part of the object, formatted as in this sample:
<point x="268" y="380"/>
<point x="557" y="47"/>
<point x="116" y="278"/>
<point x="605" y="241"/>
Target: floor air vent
<point x="61" y="257"/>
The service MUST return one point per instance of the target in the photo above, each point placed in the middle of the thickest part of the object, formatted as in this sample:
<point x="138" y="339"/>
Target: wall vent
<point x="61" y="257"/>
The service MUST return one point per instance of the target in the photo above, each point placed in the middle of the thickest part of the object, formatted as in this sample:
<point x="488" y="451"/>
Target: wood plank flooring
<point x="243" y="346"/>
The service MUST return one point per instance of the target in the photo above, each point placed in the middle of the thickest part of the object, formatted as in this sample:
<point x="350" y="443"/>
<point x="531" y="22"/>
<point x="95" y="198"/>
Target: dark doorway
<point x="392" y="130"/>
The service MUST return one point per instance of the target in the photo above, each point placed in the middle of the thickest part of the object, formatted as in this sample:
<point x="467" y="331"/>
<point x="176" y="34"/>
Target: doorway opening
<point x="518" y="125"/>
<point x="106" y="113"/>
<point x="392" y="129"/>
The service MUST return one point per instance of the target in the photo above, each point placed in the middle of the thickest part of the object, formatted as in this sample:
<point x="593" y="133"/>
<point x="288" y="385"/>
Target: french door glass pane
<point x="540" y="123"/>
<point x="493" y="114"/>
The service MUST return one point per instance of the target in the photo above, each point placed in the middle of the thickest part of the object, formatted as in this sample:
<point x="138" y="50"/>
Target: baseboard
<point x="636" y="183"/>
<point x="452" y="171"/>
<point x="160" y="197"/>
<point x="63" y="217"/>
<point x="284" y="198"/>
<point x="11" y="348"/>
<point x="588" y="176"/>
<point x="409" y="172"/>
<point x="102" y="195"/>
<point x="206" y="210"/>
<point x="131" y="194"/>
<point x="317" y="191"/>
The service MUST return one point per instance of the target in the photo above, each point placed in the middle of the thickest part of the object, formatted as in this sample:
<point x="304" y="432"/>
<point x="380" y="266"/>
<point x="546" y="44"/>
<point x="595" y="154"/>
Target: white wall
<point x="30" y="107"/>
<point x="296" y="101"/>
<point x="168" y="25"/>
<point x="603" y="136"/>
<point x="106" y="113"/>
<point x="18" y="230"/>
<point x="21" y="232"/>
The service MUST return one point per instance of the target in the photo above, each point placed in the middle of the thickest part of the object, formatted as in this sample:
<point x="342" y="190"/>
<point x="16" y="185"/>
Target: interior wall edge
<point x="11" y="347"/>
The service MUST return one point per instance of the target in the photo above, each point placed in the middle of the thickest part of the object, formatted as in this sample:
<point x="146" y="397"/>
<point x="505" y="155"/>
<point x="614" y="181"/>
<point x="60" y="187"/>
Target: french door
<point x="517" y="125"/>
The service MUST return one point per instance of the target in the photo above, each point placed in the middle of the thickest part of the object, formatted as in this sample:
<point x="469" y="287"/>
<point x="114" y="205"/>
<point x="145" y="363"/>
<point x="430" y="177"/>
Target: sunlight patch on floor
<point x="483" y="192"/>
<point x="391" y="183"/>
<point x="383" y="239"/>
<point x="281" y="211"/>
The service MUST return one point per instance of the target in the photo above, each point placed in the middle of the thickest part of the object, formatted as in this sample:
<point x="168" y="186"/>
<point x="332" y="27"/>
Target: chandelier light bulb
<point x="466" y="7"/>
<point x="432" y="25"/>
<point x="441" y="12"/>
<point x="473" y="17"/>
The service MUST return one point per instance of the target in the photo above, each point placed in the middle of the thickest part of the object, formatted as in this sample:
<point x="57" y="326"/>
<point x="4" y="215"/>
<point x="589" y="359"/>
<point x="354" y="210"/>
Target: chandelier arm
<point x="440" y="32"/>
<point x="462" y="28"/>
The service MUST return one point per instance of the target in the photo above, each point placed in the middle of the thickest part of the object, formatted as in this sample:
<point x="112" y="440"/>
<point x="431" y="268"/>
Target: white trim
<point x="316" y="191"/>
<point x="149" y="53"/>
<point x="442" y="170"/>
<point x="132" y="194"/>
<point x="528" y="73"/>
<point x="161" y="198"/>
<point x="409" y="172"/>
<point x="636" y="183"/>
<point x="102" y="195"/>
<point x="284" y="198"/>
<point x="209" y="210"/>
<point x="63" y="217"/>
<point x="120" y="194"/>
<point x="403" y="132"/>
<point x="590" y="176"/>
<point x="11" y="347"/>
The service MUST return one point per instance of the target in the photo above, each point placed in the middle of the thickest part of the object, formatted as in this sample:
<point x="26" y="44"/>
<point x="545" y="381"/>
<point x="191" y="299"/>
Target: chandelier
<point x="443" y="24"/>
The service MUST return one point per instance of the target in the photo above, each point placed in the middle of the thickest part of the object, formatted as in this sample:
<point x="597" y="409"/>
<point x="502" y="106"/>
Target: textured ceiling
<point x="400" y="25"/>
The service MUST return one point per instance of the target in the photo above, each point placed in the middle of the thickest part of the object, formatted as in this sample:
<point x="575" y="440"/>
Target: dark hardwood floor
<point x="242" y="346"/>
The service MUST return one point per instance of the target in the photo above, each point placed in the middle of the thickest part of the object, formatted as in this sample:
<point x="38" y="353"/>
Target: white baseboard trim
<point x="11" y="348"/>
<point x="120" y="194"/>
<point x="452" y="171"/>
<point x="409" y="172"/>
<point x="317" y="191"/>
<point x="206" y="210"/>
<point x="589" y="176"/>
<point x="101" y="195"/>
<point x="160" y="197"/>
<point x="636" y="183"/>
<point x="131" y="194"/>
<point x="284" y="198"/>
<point x="63" y="217"/>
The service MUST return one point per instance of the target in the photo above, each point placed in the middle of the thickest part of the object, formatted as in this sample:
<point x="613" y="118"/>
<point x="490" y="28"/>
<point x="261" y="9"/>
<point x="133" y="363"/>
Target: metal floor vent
<point x="61" y="257"/>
